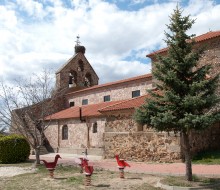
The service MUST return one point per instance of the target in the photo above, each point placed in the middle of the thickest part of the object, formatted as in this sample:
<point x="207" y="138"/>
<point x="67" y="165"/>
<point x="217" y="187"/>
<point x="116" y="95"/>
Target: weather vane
<point x="77" y="40"/>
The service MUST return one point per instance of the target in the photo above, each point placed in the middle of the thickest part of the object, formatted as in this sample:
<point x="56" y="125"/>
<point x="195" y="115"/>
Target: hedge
<point x="13" y="149"/>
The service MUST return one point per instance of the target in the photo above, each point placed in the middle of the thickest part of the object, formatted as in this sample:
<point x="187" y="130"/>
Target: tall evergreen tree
<point x="185" y="93"/>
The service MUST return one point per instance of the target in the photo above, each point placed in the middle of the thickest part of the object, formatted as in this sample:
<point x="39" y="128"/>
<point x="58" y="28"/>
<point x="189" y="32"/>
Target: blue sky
<point x="117" y="34"/>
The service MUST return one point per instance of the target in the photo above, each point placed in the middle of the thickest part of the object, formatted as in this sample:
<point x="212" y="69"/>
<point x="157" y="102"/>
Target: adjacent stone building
<point x="100" y="117"/>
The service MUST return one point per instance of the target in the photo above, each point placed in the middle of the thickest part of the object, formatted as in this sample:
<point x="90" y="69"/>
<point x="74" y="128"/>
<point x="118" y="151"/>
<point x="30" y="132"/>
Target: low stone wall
<point x="122" y="137"/>
<point x="205" y="140"/>
<point x="142" y="146"/>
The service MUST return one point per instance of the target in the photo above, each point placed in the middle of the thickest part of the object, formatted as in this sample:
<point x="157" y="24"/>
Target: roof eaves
<point x="204" y="37"/>
<point x="105" y="109"/>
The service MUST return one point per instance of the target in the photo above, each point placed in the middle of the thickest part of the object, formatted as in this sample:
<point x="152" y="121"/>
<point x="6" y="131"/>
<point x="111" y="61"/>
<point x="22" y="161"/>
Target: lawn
<point x="197" y="182"/>
<point x="207" y="157"/>
<point x="69" y="177"/>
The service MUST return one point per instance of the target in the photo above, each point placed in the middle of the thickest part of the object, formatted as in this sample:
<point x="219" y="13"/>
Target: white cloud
<point x="138" y="1"/>
<point x="32" y="8"/>
<point x="8" y="19"/>
<point x="46" y="37"/>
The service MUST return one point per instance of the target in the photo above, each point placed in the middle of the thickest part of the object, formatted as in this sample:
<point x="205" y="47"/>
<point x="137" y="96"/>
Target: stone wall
<point x="142" y="146"/>
<point x="206" y="140"/>
<point x="77" y="134"/>
<point x="211" y="55"/>
<point x="120" y="92"/>
<point x="122" y="137"/>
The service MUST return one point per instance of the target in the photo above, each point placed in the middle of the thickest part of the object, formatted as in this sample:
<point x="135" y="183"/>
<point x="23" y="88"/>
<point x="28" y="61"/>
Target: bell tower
<point x="77" y="73"/>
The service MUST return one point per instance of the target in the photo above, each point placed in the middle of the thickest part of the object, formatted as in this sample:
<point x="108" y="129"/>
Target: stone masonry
<point x="80" y="70"/>
<point x="123" y="136"/>
<point x="116" y="92"/>
<point x="77" y="134"/>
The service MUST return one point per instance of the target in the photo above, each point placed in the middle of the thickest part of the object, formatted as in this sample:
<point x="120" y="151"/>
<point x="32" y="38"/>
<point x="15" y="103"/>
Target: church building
<point x="100" y="117"/>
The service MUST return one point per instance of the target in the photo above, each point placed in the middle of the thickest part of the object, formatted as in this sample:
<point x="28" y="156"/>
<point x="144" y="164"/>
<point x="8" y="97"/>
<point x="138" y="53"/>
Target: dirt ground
<point x="66" y="179"/>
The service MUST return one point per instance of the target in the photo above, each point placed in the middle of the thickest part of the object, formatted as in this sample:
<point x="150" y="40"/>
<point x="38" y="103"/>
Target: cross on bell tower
<point x="77" y="40"/>
<point x="78" y="47"/>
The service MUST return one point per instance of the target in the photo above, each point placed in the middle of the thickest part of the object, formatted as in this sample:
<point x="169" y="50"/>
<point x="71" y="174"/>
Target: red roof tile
<point x="87" y="111"/>
<point x="72" y="112"/>
<point x="147" y="76"/>
<point x="203" y="37"/>
<point x="126" y="104"/>
<point x="97" y="109"/>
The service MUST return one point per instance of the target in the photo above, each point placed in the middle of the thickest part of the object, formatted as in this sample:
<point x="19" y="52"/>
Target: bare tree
<point x="25" y="105"/>
<point x="2" y="126"/>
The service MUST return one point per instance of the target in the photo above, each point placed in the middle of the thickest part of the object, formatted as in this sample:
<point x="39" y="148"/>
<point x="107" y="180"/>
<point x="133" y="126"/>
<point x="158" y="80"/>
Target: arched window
<point x="72" y="78"/>
<point x="80" y="65"/>
<point x="88" y="80"/>
<point x="65" y="132"/>
<point x="94" y="127"/>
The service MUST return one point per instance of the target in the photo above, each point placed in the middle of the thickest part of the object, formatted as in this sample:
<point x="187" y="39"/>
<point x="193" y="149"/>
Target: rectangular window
<point x="107" y="98"/>
<point x="84" y="101"/>
<point x="94" y="129"/>
<point x="72" y="104"/>
<point x="135" y="93"/>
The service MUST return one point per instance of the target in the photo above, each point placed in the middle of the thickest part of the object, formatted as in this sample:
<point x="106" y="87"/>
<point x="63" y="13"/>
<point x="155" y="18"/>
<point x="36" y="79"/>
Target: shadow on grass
<point x="102" y="185"/>
<point x="202" y="182"/>
<point x="209" y="182"/>
<point x="60" y="178"/>
<point x="134" y="178"/>
<point x="207" y="157"/>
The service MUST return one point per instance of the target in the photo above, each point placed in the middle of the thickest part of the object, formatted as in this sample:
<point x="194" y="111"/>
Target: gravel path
<point x="12" y="171"/>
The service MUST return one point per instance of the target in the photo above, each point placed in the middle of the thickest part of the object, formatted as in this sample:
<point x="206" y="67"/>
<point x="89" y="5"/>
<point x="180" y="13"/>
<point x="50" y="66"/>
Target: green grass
<point x="207" y="157"/>
<point x="75" y="180"/>
<point x="196" y="182"/>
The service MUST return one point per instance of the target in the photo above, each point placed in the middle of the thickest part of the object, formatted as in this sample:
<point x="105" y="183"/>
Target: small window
<point x="135" y="93"/>
<point x="72" y="104"/>
<point x="65" y="132"/>
<point x="84" y="101"/>
<point x="94" y="127"/>
<point x="107" y="98"/>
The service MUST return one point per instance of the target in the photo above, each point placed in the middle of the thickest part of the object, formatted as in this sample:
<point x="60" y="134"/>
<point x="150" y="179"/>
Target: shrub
<point x="13" y="149"/>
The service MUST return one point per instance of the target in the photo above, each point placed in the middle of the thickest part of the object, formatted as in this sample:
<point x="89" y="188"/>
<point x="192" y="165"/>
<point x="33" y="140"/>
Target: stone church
<point x="100" y="117"/>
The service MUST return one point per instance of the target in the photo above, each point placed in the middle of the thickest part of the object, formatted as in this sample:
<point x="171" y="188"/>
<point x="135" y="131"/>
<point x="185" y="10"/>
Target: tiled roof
<point x="207" y="36"/>
<point x="87" y="111"/>
<point x="146" y="76"/>
<point x="126" y="104"/>
<point x="72" y="112"/>
<point x="203" y="37"/>
<point x="97" y="109"/>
